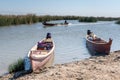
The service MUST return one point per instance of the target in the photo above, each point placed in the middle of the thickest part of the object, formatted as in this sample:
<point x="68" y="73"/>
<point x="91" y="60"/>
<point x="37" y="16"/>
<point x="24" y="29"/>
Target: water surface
<point x="16" y="41"/>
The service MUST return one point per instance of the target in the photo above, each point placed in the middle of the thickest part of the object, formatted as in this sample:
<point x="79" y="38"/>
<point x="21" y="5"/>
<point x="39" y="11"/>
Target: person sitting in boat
<point x="48" y="38"/>
<point x="48" y="35"/>
<point x="46" y="44"/>
<point x="91" y="35"/>
<point x="44" y="22"/>
<point x="65" y="22"/>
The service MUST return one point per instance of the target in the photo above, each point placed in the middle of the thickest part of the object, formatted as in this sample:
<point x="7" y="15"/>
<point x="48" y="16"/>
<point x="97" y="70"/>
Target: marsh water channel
<point x="16" y="41"/>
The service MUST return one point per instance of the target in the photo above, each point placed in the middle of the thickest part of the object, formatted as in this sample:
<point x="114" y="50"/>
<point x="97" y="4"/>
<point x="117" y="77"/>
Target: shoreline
<point x="93" y="68"/>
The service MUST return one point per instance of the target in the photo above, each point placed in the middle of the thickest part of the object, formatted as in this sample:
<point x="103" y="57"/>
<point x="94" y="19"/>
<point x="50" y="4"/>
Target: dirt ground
<point x="93" y="68"/>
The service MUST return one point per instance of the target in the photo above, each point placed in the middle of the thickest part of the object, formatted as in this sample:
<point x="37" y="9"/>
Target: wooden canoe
<point x="40" y="57"/>
<point x="54" y="24"/>
<point x="98" y="46"/>
<point x="49" y="24"/>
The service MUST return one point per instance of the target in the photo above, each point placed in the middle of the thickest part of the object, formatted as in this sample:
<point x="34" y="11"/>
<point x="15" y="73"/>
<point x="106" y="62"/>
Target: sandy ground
<point x="93" y="68"/>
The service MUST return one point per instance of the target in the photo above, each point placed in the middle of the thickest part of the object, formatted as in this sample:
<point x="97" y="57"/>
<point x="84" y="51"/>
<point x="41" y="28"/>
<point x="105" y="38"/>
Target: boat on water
<point x="54" y="24"/>
<point x="49" y="24"/>
<point x="97" y="46"/>
<point x="42" y="54"/>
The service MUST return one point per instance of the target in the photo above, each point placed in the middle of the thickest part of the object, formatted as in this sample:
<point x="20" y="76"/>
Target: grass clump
<point x="16" y="66"/>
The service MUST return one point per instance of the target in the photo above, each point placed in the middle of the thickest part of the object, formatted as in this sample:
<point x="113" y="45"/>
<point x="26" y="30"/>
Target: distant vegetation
<point x="106" y="18"/>
<point x="118" y="22"/>
<point x="6" y="20"/>
<point x="88" y="19"/>
<point x="16" y="66"/>
<point x="95" y="19"/>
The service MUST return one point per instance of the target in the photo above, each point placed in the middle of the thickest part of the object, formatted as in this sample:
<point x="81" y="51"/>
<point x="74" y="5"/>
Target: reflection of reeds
<point x="16" y="66"/>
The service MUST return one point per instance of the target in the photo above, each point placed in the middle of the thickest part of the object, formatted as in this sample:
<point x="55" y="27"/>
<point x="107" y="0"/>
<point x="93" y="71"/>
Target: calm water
<point x="16" y="41"/>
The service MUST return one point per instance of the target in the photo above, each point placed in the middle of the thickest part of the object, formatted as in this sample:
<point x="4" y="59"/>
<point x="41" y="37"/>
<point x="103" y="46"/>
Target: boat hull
<point x="96" y="48"/>
<point x="39" y="64"/>
<point x="41" y="58"/>
<point x="54" y="24"/>
<point x="49" y="24"/>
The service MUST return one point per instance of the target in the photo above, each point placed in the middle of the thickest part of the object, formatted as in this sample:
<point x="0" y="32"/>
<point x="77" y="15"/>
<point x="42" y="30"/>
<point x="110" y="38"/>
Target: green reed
<point x="16" y="66"/>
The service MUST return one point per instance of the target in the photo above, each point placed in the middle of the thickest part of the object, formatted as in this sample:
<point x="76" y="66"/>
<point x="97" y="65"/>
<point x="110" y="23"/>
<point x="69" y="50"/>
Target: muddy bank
<point x="94" y="68"/>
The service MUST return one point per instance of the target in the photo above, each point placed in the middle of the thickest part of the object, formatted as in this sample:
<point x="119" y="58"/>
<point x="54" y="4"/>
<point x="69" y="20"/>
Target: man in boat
<point x="65" y="22"/>
<point x="48" y="35"/>
<point x="91" y="35"/>
<point x="44" y="22"/>
<point x="48" y="41"/>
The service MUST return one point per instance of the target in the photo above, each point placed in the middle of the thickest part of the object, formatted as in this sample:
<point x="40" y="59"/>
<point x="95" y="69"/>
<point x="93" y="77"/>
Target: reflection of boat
<point x="43" y="55"/>
<point x="98" y="46"/>
<point x="55" y="24"/>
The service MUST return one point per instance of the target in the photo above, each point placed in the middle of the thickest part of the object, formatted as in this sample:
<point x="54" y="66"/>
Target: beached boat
<point x="42" y="54"/>
<point x="98" y="46"/>
<point x="55" y="24"/>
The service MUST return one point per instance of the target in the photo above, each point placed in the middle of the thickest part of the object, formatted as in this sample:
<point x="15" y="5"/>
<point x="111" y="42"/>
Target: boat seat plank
<point x="38" y="52"/>
<point x="48" y="40"/>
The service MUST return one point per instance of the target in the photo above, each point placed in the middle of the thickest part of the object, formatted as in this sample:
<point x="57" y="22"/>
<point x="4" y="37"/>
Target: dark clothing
<point x="48" y="35"/>
<point x="66" y="22"/>
<point x="44" y="45"/>
<point x="88" y="32"/>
